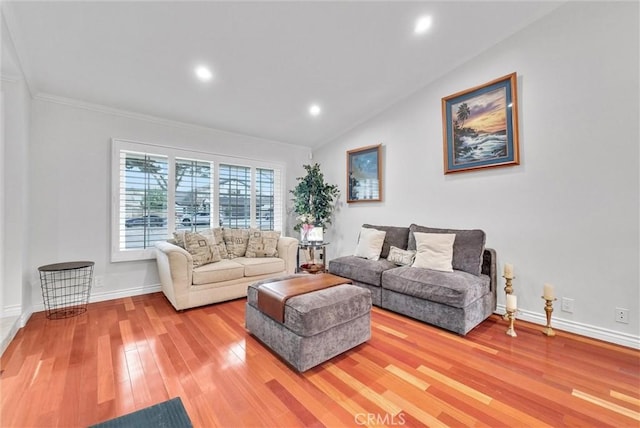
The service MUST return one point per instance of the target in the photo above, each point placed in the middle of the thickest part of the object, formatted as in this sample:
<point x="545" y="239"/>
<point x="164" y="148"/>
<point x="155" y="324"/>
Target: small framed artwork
<point x="480" y="126"/>
<point x="364" y="179"/>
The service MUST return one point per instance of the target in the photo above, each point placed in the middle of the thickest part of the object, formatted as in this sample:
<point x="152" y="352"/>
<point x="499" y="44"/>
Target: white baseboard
<point x="9" y="328"/>
<point x="587" y="330"/>
<point x="13" y="319"/>
<point x="11" y="311"/>
<point x="110" y="295"/>
<point x="128" y="292"/>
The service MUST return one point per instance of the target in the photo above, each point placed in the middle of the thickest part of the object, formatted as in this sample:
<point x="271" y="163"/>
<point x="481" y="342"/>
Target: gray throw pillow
<point x="468" y="247"/>
<point x="396" y="236"/>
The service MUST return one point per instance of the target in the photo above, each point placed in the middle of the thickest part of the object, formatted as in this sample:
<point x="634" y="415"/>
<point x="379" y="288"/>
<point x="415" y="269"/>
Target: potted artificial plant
<point x="313" y="200"/>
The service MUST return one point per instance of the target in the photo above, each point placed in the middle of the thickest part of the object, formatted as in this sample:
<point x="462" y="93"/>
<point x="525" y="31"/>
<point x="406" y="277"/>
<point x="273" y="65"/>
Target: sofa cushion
<point x="361" y="270"/>
<point x="467" y="247"/>
<point x="396" y="236"/>
<point x="260" y="266"/>
<point x="370" y="243"/>
<point x="224" y="270"/>
<point x="262" y="243"/>
<point x="457" y="289"/>
<point x="236" y="241"/>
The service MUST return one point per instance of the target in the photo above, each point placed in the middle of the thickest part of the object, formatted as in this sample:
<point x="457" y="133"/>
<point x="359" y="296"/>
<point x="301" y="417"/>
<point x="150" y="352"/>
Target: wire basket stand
<point x="66" y="288"/>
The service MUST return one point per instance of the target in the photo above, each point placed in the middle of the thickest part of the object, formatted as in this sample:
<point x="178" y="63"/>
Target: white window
<point x="158" y="190"/>
<point x="194" y="194"/>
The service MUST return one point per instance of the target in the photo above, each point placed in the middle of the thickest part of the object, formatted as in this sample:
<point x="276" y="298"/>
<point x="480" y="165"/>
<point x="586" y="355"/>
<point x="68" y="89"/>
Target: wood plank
<point x="607" y="404"/>
<point x="127" y="354"/>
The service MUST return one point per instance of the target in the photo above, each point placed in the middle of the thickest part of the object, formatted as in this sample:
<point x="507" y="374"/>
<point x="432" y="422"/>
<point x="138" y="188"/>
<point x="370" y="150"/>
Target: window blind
<point x="158" y="190"/>
<point x="143" y="199"/>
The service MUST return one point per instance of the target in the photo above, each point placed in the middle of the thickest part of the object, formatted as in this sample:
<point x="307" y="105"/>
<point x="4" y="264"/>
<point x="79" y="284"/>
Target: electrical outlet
<point x="567" y="305"/>
<point x="622" y="315"/>
<point x="98" y="281"/>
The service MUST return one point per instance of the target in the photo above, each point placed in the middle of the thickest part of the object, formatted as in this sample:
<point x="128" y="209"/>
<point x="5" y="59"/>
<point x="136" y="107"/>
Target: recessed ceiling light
<point x="314" y="110"/>
<point x="423" y="24"/>
<point x="203" y="73"/>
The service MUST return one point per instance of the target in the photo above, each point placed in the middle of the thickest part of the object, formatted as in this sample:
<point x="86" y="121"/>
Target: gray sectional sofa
<point x="457" y="301"/>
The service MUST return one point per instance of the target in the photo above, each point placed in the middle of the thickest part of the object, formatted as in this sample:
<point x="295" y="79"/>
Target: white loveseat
<point x="186" y="286"/>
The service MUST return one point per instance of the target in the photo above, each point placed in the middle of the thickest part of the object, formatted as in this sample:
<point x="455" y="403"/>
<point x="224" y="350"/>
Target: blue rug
<point x="168" y="414"/>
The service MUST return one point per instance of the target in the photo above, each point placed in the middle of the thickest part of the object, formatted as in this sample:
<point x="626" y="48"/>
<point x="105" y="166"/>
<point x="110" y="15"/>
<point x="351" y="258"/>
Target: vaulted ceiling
<point x="270" y="60"/>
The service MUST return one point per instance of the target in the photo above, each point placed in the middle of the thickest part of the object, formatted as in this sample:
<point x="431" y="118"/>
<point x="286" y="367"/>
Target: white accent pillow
<point x="435" y="251"/>
<point x="370" y="243"/>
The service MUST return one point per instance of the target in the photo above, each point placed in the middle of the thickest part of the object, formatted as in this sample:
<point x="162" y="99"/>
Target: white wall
<point x="15" y="209"/>
<point x="15" y="290"/>
<point x="2" y="223"/>
<point x="16" y="104"/>
<point x="568" y="215"/>
<point x="69" y="186"/>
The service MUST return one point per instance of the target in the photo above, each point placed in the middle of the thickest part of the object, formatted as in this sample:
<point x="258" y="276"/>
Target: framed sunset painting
<point x="480" y="126"/>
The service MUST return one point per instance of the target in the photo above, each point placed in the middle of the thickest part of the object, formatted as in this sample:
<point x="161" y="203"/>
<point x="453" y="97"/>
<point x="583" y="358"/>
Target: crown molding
<point x="13" y="42"/>
<point x="71" y="102"/>
<point x="8" y="78"/>
<point x="83" y="105"/>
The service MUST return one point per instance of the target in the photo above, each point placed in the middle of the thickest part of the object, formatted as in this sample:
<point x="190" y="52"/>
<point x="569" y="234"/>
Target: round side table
<point x="310" y="248"/>
<point x="66" y="288"/>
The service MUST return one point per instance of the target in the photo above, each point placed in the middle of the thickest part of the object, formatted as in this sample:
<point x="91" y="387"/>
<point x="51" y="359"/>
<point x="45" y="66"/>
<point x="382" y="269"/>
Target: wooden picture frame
<point x="480" y="126"/>
<point x="364" y="174"/>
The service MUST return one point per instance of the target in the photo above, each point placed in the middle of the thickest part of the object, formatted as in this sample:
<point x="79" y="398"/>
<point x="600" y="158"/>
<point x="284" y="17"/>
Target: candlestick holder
<point x="511" y="315"/>
<point x="508" y="289"/>
<point x="548" y="308"/>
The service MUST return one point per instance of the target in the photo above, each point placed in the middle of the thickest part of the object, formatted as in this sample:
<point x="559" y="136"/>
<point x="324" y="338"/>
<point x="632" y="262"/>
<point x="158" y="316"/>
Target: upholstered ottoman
<point x="317" y="325"/>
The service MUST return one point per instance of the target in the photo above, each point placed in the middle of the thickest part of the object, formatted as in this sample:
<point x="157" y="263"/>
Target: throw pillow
<point x="219" y="240"/>
<point x="396" y="236"/>
<point x="262" y="242"/>
<point x="370" y="243"/>
<point x="202" y="248"/>
<point x="178" y="236"/>
<point x="214" y="234"/>
<point x="235" y="241"/>
<point x="401" y="257"/>
<point x="435" y="251"/>
<point x="261" y="254"/>
<point x="468" y="248"/>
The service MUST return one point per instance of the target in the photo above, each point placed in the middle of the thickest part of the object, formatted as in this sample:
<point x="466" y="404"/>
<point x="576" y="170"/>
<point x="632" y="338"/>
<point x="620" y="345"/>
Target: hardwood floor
<point x="127" y="354"/>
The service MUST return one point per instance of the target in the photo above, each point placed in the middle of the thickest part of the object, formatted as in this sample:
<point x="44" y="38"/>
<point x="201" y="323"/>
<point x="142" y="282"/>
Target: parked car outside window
<point x="146" y="220"/>
<point x="199" y="219"/>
